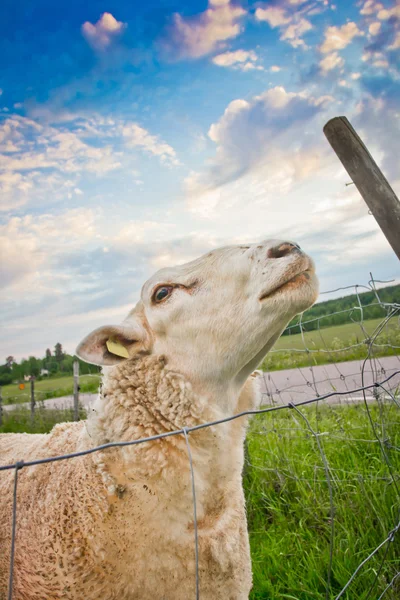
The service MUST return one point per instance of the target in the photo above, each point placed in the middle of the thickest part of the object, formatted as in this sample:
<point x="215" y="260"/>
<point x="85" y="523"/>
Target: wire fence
<point x="322" y="457"/>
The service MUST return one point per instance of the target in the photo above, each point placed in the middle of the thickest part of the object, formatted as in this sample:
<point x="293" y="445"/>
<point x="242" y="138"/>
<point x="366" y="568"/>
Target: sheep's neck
<point x="141" y="398"/>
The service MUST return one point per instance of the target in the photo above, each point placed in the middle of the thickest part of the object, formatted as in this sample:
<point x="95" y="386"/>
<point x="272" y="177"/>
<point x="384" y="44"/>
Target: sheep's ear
<point x="111" y="344"/>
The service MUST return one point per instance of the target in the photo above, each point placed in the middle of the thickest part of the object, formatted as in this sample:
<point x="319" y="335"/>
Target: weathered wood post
<point x="33" y="403"/>
<point x="76" y="390"/>
<point x="368" y="178"/>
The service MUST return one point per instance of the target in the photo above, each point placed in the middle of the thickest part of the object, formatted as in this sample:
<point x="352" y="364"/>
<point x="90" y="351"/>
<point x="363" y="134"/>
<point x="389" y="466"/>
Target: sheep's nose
<point x="283" y="250"/>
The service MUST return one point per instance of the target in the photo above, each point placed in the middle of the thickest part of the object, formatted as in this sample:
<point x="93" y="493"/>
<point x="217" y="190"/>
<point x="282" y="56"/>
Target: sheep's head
<point x="216" y="317"/>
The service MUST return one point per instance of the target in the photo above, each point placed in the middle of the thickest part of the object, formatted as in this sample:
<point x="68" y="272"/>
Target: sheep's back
<point x="44" y="494"/>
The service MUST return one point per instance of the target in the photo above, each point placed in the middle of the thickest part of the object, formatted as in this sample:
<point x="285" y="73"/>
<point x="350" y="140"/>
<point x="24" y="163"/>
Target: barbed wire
<point x="18" y="466"/>
<point x="330" y="384"/>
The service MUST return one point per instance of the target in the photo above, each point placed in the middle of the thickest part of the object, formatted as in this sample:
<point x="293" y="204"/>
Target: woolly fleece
<point x="119" y="523"/>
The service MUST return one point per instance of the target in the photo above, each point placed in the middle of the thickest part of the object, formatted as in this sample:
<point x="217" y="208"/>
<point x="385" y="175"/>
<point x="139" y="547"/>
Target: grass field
<point x="289" y="514"/>
<point x="331" y="345"/>
<point x="53" y="387"/>
<point x="325" y="336"/>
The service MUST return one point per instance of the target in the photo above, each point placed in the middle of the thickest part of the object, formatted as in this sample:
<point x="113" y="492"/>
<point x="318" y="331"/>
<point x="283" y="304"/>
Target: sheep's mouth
<point x="291" y="283"/>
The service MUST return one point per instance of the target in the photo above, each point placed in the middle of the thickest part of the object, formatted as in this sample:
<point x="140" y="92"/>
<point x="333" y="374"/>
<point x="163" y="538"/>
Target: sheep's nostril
<point x="282" y="250"/>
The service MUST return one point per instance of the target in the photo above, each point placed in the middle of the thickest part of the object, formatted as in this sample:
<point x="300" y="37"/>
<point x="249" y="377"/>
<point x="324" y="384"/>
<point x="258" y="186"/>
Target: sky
<point x="135" y="136"/>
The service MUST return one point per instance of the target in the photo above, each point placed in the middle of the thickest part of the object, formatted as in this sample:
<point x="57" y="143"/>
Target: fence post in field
<point x="76" y="390"/>
<point x="33" y="403"/>
<point x="367" y="177"/>
<point x="1" y="408"/>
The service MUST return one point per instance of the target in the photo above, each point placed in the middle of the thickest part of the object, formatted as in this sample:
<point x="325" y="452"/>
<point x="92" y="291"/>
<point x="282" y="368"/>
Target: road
<point x="296" y="385"/>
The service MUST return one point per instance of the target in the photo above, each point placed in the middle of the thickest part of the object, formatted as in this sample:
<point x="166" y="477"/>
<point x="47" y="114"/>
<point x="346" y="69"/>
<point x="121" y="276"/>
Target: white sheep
<point x="118" y="524"/>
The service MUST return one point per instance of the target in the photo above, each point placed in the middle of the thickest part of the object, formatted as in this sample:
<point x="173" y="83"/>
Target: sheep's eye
<point x="162" y="293"/>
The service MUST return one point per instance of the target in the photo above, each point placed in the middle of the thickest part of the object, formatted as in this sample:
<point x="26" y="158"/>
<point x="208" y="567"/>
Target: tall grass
<point x="289" y="512"/>
<point x="19" y="420"/>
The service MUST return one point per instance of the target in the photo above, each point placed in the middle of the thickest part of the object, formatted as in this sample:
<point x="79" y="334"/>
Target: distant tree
<point x="5" y="378"/>
<point x="53" y="366"/>
<point x="34" y="366"/>
<point x="58" y="352"/>
<point x="48" y="354"/>
<point x="67" y="364"/>
<point x="9" y="361"/>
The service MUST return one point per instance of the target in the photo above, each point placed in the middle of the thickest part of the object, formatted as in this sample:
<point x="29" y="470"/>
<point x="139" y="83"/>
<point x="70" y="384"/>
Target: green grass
<point x="330" y="344"/>
<point x="19" y="420"/>
<point x="288" y="503"/>
<point x="54" y="387"/>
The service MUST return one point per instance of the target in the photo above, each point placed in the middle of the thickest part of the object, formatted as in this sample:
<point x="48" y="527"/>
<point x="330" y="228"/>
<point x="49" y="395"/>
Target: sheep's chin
<point x="294" y="283"/>
<point x="256" y="360"/>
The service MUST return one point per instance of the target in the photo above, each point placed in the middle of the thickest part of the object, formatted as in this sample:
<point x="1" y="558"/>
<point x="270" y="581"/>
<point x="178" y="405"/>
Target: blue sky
<point x="138" y="136"/>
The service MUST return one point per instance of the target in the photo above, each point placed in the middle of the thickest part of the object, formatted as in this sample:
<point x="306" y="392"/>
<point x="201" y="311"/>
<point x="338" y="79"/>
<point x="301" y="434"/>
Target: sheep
<point x="118" y="523"/>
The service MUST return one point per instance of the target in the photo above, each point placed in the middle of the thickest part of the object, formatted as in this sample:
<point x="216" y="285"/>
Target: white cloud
<point x="291" y="23"/>
<point x="138" y="232"/>
<point x="371" y="7"/>
<point x="293" y="33"/>
<point x="102" y="34"/>
<point x="355" y="76"/>
<point x="197" y="36"/>
<point x="40" y="160"/>
<point x="331" y="61"/>
<point x="29" y="244"/>
<point x="375" y="28"/>
<point x="273" y="15"/>
<point x="275" y="69"/>
<point x="376" y="59"/>
<point x="256" y="137"/>
<point x="230" y="59"/>
<point x="137" y="136"/>
<point x="337" y="38"/>
<point x="385" y="14"/>
<point x="396" y="42"/>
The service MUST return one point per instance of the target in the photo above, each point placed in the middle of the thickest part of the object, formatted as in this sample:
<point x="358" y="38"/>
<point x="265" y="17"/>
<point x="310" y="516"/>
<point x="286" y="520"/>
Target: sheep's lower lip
<point x="305" y="275"/>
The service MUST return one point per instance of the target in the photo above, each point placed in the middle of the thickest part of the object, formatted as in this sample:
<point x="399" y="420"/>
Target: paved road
<point x="296" y="385"/>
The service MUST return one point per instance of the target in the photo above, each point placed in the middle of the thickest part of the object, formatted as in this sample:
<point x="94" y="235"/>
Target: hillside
<point x="338" y="311"/>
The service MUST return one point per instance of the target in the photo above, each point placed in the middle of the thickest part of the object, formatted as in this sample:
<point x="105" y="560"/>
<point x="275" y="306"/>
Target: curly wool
<point x="118" y="524"/>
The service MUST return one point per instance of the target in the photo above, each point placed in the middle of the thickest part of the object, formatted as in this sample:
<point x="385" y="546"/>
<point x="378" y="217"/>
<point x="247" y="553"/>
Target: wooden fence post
<point x="368" y="178"/>
<point x="33" y="403"/>
<point x="76" y="390"/>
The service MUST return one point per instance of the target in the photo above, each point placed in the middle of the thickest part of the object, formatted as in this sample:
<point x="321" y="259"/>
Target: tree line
<point x="330" y="312"/>
<point x="53" y="363"/>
